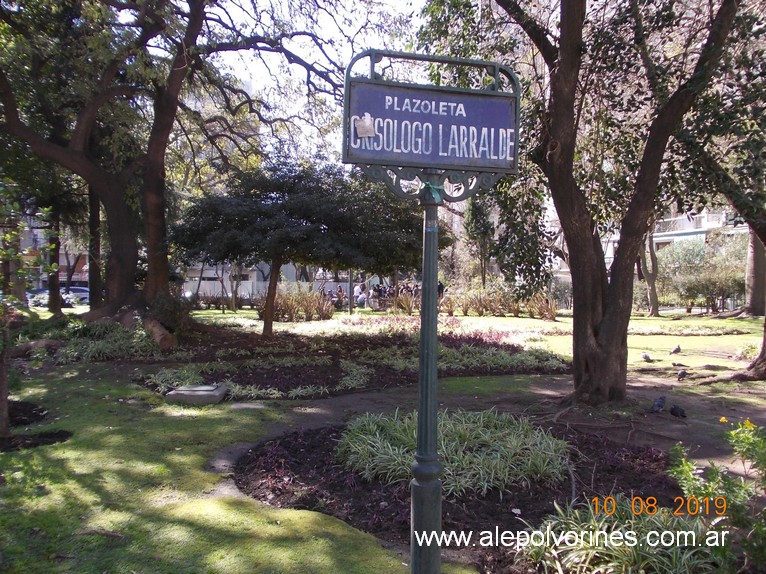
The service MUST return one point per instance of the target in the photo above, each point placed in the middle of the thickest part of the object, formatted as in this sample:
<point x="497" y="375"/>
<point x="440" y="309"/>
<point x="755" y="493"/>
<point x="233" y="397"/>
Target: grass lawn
<point x="129" y="491"/>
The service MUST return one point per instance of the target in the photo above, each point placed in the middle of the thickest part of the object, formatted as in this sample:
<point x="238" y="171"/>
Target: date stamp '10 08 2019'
<point x="682" y="505"/>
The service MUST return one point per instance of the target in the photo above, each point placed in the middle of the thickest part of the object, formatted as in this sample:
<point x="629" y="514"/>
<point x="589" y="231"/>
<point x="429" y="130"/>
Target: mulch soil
<point x="330" y="352"/>
<point x="299" y="470"/>
<point x="23" y="413"/>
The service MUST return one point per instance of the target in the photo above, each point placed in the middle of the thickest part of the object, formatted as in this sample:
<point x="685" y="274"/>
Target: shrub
<point x="744" y="498"/>
<point x="249" y="392"/>
<point x="478" y="302"/>
<point x="166" y="380"/>
<point x="172" y="312"/>
<point x="304" y="391"/>
<point x="405" y="302"/>
<point x="355" y="376"/>
<point x="580" y="539"/>
<point x="325" y="309"/>
<point x="480" y="451"/>
<point x="540" y="305"/>
<point x="106" y="340"/>
<point x="465" y="302"/>
<point x="448" y="305"/>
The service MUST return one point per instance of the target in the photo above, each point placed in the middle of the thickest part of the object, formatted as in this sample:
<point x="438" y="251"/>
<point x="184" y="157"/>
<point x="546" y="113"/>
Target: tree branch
<point x="536" y="32"/>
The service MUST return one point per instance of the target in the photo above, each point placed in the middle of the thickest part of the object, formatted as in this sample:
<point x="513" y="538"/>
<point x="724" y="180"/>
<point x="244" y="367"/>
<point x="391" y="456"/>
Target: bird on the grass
<point x="658" y="405"/>
<point x="676" y="350"/>
<point x="679" y="365"/>
<point x="645" y="356"/>
<point x="682" y="374"/>
<point x="677" y="411"/>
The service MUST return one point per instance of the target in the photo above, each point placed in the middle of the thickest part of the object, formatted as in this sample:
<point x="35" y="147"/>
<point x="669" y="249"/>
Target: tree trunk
<point x="271" y="297"/>
<point x="154" y="185"/>
<point x="755" y="277"/>
<point x="602" y="303"/>
<point x="758" y="366"/>
<point x="155" y="229"/>
<point x="5" y="418"/>
<point x="600" y="343"/>
<point x="483" y="261"/>
<point x="71" y="268"/>
<point x="95" y="284"/>
<point x="235" y="280"/>
<point x="199" y="282"/>
<point x="165" y="339"/>
<point x="122" y="262"/>
<point x="650" y="276"/>
<point x="54" y="284"/>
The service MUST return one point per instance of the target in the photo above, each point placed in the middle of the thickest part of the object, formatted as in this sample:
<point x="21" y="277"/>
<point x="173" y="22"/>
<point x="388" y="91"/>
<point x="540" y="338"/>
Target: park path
<point x="701" y="432"/>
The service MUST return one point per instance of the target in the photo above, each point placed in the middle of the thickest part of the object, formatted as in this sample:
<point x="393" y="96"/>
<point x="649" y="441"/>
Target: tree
<point x="577" y="61"/>
<point x="523" y="250"/>
<point x="755" y="276"/>
<point x="712" y="268"/>
<point x="13" y="268"/>
<point x="679" y="265"/>
<point x="114" y="73"/>
<point x="649" y="270"/>
<point x="723" y="143"/>
<point x="302" y="213"/>
<point x="41" y="186"/>
<point x="480" y="231"/>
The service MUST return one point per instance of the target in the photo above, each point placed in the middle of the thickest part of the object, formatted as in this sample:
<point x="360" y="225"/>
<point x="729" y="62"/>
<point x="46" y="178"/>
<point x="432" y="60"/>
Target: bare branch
<point x="540" y="36"/>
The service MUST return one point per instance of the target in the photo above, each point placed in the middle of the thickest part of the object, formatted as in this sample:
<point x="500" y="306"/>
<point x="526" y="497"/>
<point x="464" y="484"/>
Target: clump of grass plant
<point x="524" y="361"/>
<point x="233" y="353"/>
<point x="305" y="391"/>
<point x="355" y="376"/>
<point x="251" y="392"/>
<point x="743" y="496"/>
<point x="582" y="538"/>
<point x="480" y="451"/>
<point x="166" y="380"/>
<point x="103" y="341"/>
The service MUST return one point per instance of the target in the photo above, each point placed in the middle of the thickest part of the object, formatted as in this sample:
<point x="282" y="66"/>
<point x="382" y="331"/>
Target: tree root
<point x="736" y="377"/>
<point x="133" y="314"/>
<point x="26" y="349"/>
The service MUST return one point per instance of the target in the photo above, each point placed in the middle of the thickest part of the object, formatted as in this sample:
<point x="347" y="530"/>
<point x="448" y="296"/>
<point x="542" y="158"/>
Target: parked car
<point x="76" y="296"/>
<point x="82" y="293"/>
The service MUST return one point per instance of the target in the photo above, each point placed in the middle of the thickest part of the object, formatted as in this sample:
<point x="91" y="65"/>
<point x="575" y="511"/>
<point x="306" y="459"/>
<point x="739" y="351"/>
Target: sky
<point x="257" y="75"/>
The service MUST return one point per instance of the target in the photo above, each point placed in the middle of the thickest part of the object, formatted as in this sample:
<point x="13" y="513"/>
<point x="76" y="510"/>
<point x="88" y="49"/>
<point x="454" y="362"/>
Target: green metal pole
<point x="425" y="487"/>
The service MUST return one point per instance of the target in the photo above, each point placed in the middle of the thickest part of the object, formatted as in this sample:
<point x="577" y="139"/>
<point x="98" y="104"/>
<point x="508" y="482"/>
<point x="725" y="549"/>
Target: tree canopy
<point x="590" y="71"/>
<point x="96" y="86"/>
<point x="305" y="213"/>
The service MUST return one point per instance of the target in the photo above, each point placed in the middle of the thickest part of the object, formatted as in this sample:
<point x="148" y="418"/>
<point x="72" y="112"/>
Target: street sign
<point x="398" y="133"/>
<point x="410" y="125"/>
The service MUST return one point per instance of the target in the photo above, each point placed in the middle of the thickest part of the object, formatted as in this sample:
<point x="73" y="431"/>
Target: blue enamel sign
<point x="412" y="125"/>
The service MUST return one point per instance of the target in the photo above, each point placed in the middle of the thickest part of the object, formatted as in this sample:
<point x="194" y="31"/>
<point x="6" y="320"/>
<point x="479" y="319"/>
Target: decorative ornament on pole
<point x="434" y="144"/>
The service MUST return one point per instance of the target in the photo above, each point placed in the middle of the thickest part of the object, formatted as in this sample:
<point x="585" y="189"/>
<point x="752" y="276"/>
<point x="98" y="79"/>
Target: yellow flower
<point x="723" y="420"/>
<point x="748" y="425"/>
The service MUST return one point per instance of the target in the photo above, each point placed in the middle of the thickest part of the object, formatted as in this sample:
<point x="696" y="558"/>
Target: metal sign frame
<point x="460" y="178"/>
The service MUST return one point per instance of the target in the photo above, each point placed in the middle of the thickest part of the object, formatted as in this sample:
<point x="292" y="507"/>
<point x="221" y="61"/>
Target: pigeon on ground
<point x="679" y="365"/>
<point x="645" y="356"/>
<point x="676" y="350"/>
<point x="658" y="405"/>
<point x="677" y="411"/>
<point x="682" y="374"/>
